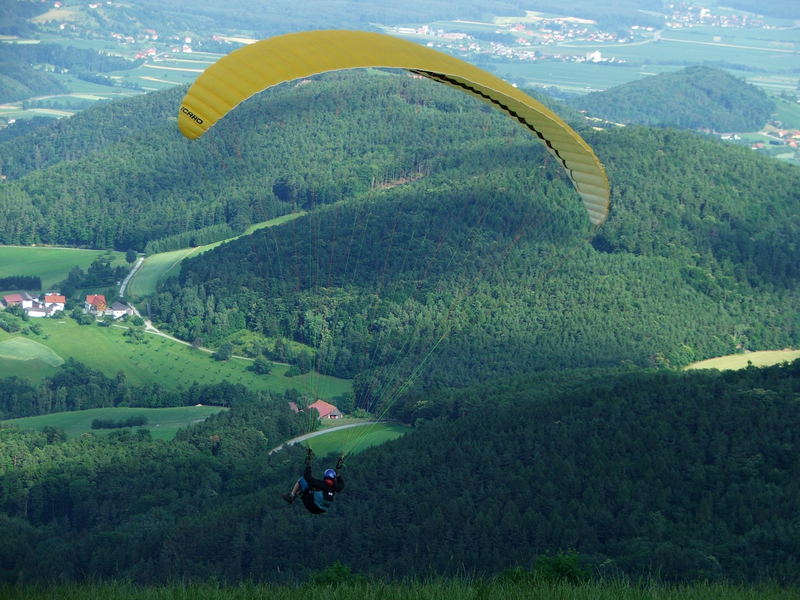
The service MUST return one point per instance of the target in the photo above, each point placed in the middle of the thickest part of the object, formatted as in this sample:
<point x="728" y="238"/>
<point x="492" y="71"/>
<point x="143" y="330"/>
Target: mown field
<point x="762" y="358"/>
<point x="159" y="266"/>
<point x="355" y="439"/>
<point x="51" y="264"/>
<point x="439" y="590"/>
<point x="159" y="360"/>
<point x="154" y="269"/>
<point x="162" y="422"/>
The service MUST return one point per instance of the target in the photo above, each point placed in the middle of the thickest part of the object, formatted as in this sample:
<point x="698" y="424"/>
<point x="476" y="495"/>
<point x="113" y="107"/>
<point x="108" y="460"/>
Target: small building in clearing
<point x="326" y="410"/>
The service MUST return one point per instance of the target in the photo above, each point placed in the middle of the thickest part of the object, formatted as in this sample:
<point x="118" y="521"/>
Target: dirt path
<point x="302" y="438"/>
<point x="137" y="265"/>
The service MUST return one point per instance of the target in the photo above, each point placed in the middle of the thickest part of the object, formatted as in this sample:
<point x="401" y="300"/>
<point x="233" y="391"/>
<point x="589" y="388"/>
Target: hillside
<point x="697" y="260"/>
<point x="427" y="237"/>
<point x="694" y="98"/>
<point x="678" y="476"/>
<point x="121" y="175"/>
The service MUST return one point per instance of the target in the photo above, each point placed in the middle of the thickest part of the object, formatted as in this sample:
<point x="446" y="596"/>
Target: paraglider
<point x="256" y="67"/>
<point x="317" y="494"/>
<point x="251" y="69"/>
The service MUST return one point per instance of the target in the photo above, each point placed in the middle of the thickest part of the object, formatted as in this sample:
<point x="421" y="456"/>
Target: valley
<point x="524" y="397"/>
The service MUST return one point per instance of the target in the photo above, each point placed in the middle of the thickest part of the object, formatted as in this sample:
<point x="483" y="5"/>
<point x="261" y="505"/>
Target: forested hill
<point x="693" y="98"/>
<point x="447" y="226"/>
<point x="681" y="476"/>
<point x="121" y="175"/>
<point x="698" y="259"/>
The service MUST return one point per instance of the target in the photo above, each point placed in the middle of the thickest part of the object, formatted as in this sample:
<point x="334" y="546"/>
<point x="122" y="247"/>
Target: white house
<point x="55" y="301"/>
<point x="119" y="310"/>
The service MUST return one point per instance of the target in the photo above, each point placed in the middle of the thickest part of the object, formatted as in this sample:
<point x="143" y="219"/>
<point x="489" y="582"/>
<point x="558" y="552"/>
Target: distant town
<point x="535" y="30"/>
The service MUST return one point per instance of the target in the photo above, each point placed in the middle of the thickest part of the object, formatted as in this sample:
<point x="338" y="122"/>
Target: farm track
<point x="306" y="436"/>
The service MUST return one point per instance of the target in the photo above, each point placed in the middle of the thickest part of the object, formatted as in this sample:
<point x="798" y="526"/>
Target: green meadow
<point x="355" y="439"/>
<point x="162" y="422"/>
<point x="155" y="268"/>
<point x="52" y="265"/>
<point x="25" y="349"/>
<point x="762" y="358"/>
<point x="160" y="360"/>
<point x="158" y="267"/>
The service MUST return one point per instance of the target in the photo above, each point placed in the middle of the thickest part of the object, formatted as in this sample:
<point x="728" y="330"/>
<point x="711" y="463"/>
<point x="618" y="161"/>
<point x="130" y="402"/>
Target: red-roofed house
<point x="25" y="300"/>
<point x="96" y="304"/>
<point x="326" y="411"/>
<point x="12" y="299"/>
<point x="57" y="301"/>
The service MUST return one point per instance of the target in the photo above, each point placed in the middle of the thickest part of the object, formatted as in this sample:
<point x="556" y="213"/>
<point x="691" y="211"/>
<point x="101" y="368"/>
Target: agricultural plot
<point x="52" y="265"/>
<point x="162" y="422"/>
<point x="173" y="365"/>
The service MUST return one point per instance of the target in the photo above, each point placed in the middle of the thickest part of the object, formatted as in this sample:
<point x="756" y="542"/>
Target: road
<point x="136" y="267"/>
<point x="302" y="438"/>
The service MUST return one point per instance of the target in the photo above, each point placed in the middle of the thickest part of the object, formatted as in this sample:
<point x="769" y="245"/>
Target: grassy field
<point x="160" y="360"/>
<point x="355" y="439"/>
<point x="162" y="422"/>
<point x="436" y="590"/>
<point x="52" y="265"/>
<point x="154" y="269"/>
<point x="25" y="349"/>
<point x="158" y="267"/>
<point x="788" y="113"/>
<point x="763" y="358"/>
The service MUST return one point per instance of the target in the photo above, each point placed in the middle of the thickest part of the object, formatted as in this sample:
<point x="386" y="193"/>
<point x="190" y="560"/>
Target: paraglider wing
<point x="253" y="68"/>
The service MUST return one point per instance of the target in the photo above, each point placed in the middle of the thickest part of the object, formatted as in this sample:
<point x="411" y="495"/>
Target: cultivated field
<point x="159" y="360"/>
<point x="162" y="422"/>
<point x="51" y="264"/>
<point x="763" y="358"/>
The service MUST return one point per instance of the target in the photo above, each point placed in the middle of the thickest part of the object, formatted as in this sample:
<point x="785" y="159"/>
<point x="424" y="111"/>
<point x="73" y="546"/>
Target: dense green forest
<point x="445" y="246"/>
<point x="694" y="98"/>
<point x="643" y="473"/>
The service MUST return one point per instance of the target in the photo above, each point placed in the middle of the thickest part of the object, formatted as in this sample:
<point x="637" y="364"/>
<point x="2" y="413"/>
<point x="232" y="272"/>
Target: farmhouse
<point x="119" y="310"/>
<point x="24" y="299"/>
<point x="95" y="304"/>
<point x="55" y="300"/>
<point x="325" y="410"/>
<point x="35" y="306"/>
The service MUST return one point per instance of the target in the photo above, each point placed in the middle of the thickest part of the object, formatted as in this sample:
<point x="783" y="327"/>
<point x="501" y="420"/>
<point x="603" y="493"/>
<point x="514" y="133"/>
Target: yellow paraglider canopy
<point x="253" y="68"/>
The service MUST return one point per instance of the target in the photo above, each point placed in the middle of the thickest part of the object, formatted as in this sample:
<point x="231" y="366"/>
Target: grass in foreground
<point x="444" y="590"/>
<point x="162" y="422"/>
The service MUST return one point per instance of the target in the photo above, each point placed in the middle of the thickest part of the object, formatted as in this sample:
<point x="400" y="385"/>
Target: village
<point x="51" y="303"/>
